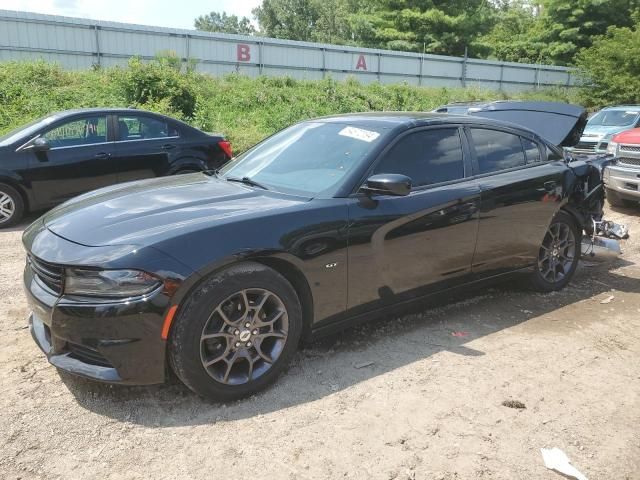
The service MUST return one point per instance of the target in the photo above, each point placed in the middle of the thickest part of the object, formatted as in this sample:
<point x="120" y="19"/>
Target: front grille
<point x="87" y="355"/>
<point x="629" y="161"/>
<point x="630" y="148"/>
<point x="52" y="276"/>
<point x="591" y="146"/>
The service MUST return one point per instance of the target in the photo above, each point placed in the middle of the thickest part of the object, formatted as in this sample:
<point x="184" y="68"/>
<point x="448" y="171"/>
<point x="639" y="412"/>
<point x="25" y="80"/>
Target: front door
<point x="401" y="247"/>
<point x="79" y="160"/>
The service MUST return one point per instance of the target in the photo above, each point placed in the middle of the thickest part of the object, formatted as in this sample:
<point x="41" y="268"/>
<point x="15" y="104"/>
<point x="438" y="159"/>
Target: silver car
<point x="602" y="126"/>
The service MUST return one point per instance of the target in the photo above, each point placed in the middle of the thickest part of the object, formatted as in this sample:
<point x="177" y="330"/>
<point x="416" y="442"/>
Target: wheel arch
<point x="15" y="183"/>
<point x="577" y="215"/>
<point x="299" y="283"/>
<point x="282" y="266"/>
<point x="187" y="163"/>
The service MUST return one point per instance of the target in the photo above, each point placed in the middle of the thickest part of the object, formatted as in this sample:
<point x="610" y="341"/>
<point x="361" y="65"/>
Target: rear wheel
<point x="236" y="332"/>
<point x="11" y="206"/>
<point x="559" y="254"/>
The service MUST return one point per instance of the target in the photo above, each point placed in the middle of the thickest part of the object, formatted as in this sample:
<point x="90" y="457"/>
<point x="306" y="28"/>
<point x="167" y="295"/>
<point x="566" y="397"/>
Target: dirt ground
<point x="428" y="407"/>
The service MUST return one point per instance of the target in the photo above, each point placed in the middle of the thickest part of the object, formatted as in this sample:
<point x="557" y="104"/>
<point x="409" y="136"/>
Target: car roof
<point x="77" y="111"/>
<point x="414" y="119"/>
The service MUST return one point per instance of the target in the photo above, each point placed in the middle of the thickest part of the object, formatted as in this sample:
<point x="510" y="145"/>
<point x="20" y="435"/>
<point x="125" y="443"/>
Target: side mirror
<point x="387" y="184"/>
<point x="40" y="144"/>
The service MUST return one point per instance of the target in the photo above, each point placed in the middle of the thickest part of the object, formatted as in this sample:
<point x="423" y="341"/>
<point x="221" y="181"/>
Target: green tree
<point x="611" y="67"/>
<point x="516" y="34"/>
<point x="437" y="26"/>
<point x="553" y="31"/>
<point x="570" y="25"/>
<point x="221" y="22"/>
<point x="289" y="19"/>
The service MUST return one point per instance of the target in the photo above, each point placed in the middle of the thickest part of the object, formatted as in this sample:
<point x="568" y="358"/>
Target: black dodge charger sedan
<point x="65" y="154"/>
<point x="220" y="275"/>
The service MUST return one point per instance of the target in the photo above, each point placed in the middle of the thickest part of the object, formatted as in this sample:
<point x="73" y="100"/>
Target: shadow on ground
<point x="332" y="364"/>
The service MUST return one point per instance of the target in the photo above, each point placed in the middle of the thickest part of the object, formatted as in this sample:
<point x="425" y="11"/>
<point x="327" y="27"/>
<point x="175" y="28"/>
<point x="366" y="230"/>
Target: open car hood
<point x="561" y="124"/>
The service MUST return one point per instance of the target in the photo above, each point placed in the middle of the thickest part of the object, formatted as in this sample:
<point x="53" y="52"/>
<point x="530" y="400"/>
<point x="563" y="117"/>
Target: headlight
<point x="109" y="283"/>
<point x="612" y="148"/>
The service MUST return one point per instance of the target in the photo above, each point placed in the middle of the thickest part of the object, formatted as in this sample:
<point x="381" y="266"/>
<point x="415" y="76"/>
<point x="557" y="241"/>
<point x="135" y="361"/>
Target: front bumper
<point x="624" y="180"/>
<point x="117" y="342"/>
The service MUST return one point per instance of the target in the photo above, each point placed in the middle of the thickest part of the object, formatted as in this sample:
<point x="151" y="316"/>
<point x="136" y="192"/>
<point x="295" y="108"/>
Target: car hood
<point x="559" y="123"/>
<point x="628" y="136"/>
<point x="597" y="132"/>
<point x="141" y="213"/>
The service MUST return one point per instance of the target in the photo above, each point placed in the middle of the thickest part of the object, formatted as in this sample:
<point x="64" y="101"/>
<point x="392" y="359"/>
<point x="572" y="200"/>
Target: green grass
<point x="244" y="109"/>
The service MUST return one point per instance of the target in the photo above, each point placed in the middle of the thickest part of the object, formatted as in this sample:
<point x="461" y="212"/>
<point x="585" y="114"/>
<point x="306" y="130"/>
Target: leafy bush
<point x="160" y="82"/>
<point x="245" y="109"/>
<point x="611" y="68"/>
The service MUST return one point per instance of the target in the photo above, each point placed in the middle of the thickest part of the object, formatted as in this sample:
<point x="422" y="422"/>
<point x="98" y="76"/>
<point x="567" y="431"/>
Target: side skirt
<point x="408" y="305"/>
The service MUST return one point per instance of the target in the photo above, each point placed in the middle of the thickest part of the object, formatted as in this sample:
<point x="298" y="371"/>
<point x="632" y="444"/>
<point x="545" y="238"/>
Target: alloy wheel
<point x="7" y="207"/>
<point x="557" y="253"/>
<point x="244" y="336"/>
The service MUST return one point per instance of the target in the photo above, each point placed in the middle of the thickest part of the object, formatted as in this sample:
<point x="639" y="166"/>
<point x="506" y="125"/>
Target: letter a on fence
<point x="244" y="52"/>
<point x="362" y="63"/>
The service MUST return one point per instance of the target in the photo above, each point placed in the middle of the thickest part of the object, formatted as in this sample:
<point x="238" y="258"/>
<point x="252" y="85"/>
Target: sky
<point x="162" y="13"/>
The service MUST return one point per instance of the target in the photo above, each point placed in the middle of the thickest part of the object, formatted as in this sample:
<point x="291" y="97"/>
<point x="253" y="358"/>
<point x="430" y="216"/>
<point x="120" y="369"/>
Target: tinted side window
<point x="531" y="150"/>
<point x="143" y="128"/>
<point x="429" y="156"/>
<point x="497" y="150"/>
<point x="84" y="131"/>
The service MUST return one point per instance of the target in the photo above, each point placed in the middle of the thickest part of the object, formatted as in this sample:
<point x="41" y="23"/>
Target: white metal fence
<point x="78" y="43"/>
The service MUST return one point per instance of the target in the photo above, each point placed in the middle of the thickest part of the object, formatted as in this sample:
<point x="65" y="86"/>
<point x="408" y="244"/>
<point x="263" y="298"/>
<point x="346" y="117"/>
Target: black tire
<point x="186" y="172"/>
<point x="11" y="207"/>
<point x="553" y="274"/>
<point x="615" y="200"/>
<point x="187" y="348"/>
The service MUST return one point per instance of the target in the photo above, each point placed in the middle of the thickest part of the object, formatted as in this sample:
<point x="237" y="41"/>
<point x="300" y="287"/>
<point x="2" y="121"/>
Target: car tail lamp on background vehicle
<point x="109" y="283"/>
<point x="225" y="145"/>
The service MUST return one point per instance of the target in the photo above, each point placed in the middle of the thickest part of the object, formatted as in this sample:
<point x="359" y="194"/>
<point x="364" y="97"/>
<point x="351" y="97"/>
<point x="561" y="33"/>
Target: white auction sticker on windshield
<point x="359" y="134"/>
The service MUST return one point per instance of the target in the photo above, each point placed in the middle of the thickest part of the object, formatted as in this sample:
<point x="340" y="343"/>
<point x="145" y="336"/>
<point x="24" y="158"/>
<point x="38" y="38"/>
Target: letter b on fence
<point x="244" y="52"/>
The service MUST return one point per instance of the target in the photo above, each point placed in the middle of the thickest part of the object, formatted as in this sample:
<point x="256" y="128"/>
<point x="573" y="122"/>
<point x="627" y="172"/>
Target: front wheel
<point x="558" y="255"/>
<point x="236" y="332"/>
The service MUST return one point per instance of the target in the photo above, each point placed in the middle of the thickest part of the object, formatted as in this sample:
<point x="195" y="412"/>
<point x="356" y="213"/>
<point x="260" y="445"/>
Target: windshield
<point x="25" y="130"/>
<point x="613" y="118"/>
<point x="306" y="159"/>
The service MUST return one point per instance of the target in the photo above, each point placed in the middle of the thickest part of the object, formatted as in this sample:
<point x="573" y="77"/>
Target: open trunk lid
<point x="561" y="124"/>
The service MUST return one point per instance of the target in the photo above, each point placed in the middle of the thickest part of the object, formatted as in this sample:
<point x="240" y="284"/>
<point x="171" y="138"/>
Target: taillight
<point x="225" y="145"/>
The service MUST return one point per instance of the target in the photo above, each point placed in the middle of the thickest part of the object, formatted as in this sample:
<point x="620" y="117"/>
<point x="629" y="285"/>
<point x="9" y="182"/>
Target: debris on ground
<point x="460" y="334"/>
<point x="363" y="364"/>
<point x="514" y="404"/>
<point x="607" y="300"/>
<point x="555" y="459"/>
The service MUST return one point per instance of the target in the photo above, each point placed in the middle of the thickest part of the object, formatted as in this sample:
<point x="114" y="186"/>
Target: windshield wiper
<point x="246" y="181"/>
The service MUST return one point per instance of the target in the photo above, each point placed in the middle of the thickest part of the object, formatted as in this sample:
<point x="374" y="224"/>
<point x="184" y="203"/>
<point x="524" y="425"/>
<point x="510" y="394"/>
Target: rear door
<point x="521" y="189"/>
<point x="400" y="247"/>
<point x="145" y="146"/>
<point x="78" y="161"/>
